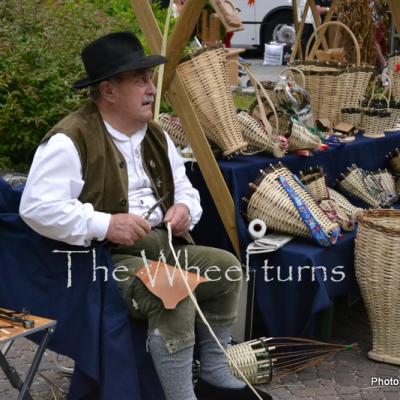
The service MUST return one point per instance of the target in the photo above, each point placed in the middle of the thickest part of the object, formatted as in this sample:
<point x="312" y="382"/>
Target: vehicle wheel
<point x="281" y="24"/>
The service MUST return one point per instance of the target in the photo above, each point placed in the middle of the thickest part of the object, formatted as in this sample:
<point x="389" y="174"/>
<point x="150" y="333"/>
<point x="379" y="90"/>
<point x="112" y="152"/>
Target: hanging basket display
<point x="377" y="253"/>
<point x="206" y="82"/>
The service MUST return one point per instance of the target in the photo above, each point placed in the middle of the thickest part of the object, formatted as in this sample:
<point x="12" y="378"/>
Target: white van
<point x="264" y="21"/>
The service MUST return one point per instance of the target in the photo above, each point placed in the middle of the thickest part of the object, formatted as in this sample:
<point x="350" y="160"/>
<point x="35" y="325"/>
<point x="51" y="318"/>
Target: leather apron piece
<point x="167" y="283"/>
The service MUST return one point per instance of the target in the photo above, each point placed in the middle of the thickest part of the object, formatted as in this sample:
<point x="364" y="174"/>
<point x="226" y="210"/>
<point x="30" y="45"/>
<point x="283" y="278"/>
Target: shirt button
<point x="123" y="202"/>
<point x="122" y="164"/>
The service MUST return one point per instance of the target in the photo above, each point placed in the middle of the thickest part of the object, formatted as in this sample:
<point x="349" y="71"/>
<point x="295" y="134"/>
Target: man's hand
<point x="179" y="218"/>
<point x="126" y="229"/>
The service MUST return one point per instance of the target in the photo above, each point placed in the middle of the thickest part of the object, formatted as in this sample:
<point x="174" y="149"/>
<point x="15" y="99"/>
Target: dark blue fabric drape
<point x="93" y="326"/>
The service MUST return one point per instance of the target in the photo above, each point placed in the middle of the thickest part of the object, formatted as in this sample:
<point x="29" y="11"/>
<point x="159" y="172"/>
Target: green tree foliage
<point x="40" y="45"/>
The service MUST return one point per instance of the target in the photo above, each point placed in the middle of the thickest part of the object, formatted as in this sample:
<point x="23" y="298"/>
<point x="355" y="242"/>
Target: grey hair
<point x="94" y="90"/>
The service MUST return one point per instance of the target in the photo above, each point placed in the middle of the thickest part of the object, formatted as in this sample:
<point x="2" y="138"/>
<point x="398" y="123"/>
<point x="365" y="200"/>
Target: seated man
<point x="94" y="176"/>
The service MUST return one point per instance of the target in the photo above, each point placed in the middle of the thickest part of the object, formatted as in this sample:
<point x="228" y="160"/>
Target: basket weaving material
<point x="353" y="182"/>
<point x="301" y="138"/>
<point x="394" y="73"/>
<point x="397" y="187"/>
<point x="377" y="253"/>
<point x="351" y="116"/>
<point x="271" y="203"/>
<point x="172" y="126"/>
<point x="394" y="161"/>
<point x="334" y="86"/>
<point x="383" y="184"/>
<point x="205" y="79"/>
<point x="258" y="138"/>
<point x="350" y="210"/>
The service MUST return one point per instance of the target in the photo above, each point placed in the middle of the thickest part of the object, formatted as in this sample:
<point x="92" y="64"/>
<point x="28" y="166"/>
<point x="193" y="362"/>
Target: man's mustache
<point x="148" y="100"/>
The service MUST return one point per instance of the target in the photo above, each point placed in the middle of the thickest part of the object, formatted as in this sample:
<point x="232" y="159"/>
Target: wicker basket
<point x="353" y="182"/>
<point x="301" y="138"/>
<point x="259" y="139"/>
<point x="351" y="116"/>
<point x="394" y="73"/>
<point x="205" y="79"/>
<point x="315" y="182"/>
<point x="377" y="253"/>
<point x="383" y="183"/>
<point x="334" y="86"/>
<point x="270" y="202"/>
<point x="172" y="126"/>
<point x="394" y="161"/>
<point x="350" y="210"/>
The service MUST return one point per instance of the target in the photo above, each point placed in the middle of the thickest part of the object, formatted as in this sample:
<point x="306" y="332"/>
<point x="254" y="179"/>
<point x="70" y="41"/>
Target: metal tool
<point x="17" y="318"/>
<point x="147" y="214"/>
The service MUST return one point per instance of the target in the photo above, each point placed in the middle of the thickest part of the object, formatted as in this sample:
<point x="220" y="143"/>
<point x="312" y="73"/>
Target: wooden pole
<point x="295" y="15"/>
<point x="317" y="20"/>
<point x="299" y="33"/>
<point x="394" y="7"/>
<point x="190" y="123"/>
<point x="328" y="18"/>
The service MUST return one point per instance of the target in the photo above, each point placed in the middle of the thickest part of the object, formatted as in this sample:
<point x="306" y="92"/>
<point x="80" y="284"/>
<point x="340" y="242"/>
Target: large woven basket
<point x="270" y="202"/>
<point x="172" y="126"/>
<point x="204" y="76"/>
<point x="258" y="138"/>
<point x="394" y="73"/>
<point x="334" y="86"/>
<point x="377" y="254"/>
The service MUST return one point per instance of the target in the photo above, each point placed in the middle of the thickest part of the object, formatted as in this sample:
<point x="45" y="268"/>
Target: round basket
<point x="172" y="126"/>
<point x="205" y="79"/>
<point x="258" y="138"/>
<point x="271" y="203"/>
<point x="377" y="253"/>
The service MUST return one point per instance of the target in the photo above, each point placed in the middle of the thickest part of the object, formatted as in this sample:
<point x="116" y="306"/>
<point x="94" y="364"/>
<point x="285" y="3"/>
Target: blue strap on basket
<point x="308" y="218"/>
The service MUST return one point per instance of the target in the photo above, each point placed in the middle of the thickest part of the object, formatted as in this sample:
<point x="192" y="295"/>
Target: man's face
<point x="134" y="95"/>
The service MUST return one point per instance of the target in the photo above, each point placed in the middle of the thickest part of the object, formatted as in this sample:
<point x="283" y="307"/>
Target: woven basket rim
<point x="370" y="219"/>
<point x="199" y="52"/>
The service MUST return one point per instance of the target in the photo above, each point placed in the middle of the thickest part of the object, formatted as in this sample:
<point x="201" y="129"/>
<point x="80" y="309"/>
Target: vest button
<point x="122" y="164"/>
<point x="123" y="202"/>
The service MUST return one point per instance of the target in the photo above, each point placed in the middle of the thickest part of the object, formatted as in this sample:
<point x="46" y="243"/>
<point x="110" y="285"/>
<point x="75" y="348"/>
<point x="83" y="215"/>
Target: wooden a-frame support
<point x="183" y="107"/>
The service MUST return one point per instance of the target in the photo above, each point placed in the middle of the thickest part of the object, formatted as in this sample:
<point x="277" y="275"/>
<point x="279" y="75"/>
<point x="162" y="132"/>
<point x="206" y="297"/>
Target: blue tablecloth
<point x="93" y="326"/>
<point x="287" y="308"/>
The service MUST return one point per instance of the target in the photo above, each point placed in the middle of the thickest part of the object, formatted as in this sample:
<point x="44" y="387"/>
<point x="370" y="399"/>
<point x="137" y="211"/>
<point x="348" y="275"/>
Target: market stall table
<point x="287" y="308"/>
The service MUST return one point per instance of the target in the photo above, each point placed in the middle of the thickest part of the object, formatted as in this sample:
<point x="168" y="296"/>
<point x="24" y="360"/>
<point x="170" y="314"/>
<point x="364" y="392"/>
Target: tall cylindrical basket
<point x="377" y="252"/>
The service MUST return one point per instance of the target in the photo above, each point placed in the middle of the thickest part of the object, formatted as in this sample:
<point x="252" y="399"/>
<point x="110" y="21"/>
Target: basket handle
<point x="346" y="28"/>
<point x="264" y="120"/>
<point x="382" y="96"/>
<point x="298" y="70"/>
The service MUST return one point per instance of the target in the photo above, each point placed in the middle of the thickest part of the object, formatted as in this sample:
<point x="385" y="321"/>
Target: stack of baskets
<point x="377" y="253"/>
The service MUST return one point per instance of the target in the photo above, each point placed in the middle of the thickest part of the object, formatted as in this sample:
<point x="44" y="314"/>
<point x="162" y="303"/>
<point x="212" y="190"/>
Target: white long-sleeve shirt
<point x="50" y="204"/>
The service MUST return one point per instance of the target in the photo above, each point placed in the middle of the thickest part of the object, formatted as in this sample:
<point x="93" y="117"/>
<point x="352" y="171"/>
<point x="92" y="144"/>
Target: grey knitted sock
<point x="173" y="369"/>
<point x="213" y="362"/>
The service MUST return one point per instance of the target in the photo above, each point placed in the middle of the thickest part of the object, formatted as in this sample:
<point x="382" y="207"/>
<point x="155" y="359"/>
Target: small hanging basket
<point x="377" y="254"/>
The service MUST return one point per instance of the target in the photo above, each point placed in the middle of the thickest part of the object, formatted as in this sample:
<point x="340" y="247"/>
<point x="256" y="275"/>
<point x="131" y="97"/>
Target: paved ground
<point x="346" y="376"/>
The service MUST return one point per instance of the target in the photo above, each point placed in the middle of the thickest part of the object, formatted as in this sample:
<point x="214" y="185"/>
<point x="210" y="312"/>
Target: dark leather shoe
<point x="206" y="391"/>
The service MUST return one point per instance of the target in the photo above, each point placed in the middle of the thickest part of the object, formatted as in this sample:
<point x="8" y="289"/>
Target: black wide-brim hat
<point x="114" y="53"/>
